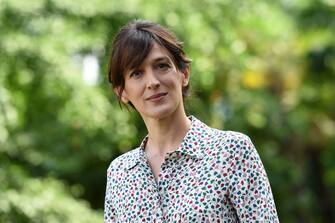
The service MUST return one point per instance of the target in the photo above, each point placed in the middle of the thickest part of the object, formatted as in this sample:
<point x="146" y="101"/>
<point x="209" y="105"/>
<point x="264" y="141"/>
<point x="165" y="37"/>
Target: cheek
<point x="134" y="90"/>
<point x="173" y="81"/>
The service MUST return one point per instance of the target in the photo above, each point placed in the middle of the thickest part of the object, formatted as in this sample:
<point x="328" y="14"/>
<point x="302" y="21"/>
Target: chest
<point x="155" y="164"/>
<point x="185" y="189"/>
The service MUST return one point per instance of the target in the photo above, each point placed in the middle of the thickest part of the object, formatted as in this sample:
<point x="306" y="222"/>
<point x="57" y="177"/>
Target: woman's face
<point x="155" y="88"/>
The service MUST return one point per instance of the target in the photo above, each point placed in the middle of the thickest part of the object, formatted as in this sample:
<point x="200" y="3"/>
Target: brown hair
<point x="132" y="45"/>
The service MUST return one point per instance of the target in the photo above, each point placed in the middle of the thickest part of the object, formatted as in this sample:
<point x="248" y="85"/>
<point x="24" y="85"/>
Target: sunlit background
<point x="264" y="68"/>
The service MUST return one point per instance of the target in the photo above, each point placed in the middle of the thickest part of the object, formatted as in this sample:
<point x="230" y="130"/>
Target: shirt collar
<point x="192" y="145"/>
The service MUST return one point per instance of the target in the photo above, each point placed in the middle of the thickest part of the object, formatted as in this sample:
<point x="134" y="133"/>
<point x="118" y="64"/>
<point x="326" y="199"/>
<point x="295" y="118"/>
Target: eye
<point x="135" y="74"/>
<point x="163" y="66"/>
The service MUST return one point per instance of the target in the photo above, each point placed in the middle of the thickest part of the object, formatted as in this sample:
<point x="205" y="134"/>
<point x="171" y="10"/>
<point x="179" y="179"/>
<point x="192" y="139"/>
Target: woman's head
<point x="132" y="45"/>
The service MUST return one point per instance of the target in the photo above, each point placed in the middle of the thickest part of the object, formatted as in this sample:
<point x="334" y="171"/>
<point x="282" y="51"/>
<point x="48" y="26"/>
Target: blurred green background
<point x="264" y="68"/>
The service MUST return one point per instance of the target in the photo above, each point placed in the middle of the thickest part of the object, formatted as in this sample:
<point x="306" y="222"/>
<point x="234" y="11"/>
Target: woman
<point x="183" y="171"/>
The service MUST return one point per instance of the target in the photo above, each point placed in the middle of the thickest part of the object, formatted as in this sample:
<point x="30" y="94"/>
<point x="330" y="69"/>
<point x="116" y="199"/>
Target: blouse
<point x="214" y="176"/>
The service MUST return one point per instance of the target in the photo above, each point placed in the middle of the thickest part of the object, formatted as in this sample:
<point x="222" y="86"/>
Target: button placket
<point x="156" y="193"/>
<point x="167" y="170"/>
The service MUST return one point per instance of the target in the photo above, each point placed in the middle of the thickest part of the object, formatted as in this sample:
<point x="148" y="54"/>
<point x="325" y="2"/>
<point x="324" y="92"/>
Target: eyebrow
<point x="163" y="58"/>
<point x="156" y="60"/>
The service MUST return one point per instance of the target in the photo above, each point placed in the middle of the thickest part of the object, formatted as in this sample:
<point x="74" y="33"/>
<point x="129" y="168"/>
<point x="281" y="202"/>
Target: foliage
<point x="39" y="200"/>
<point x="263" y="68"/>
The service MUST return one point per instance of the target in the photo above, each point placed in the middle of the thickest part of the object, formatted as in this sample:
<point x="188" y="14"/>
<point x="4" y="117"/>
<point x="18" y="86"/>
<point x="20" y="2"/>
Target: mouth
<point x="156" y="97"/>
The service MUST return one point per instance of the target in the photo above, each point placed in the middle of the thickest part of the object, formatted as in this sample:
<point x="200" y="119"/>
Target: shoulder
<point x="231" y="143"/>
<point x="236" y="149"/>
<point x="229" y="135"/>
<point x="222" y="142"/>
<point x="230" y="138"/>
<point x="210" y="134"/>
<point x="123" y="162"/>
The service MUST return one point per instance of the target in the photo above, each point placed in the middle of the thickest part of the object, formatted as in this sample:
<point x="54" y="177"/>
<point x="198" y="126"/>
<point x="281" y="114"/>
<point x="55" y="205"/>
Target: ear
<point x="186" y="76"/>
<point x="122" y="95"/>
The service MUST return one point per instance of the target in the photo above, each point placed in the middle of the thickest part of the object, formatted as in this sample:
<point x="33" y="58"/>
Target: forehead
<point x="156" y="52"/>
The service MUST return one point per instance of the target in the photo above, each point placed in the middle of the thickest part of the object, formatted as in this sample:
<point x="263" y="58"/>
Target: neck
<point x="166" y="134"/>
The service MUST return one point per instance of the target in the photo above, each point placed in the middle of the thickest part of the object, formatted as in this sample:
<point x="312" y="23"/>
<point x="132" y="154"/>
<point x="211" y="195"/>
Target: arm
<point x="250" y="191"/>
<point x="109" y="211"/>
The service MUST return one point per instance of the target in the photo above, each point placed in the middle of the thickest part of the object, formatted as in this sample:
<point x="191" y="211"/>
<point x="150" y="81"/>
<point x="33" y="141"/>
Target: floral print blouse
<point x="214" y="176"/>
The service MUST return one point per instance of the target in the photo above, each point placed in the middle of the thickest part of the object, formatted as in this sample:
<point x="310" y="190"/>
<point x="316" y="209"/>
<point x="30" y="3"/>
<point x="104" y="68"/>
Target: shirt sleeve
<point x="109" y="211"/>
<point x="250" y="191"/>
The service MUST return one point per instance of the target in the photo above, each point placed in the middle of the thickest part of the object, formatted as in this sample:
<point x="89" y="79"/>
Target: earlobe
<point x="186" y="76"/>
<point x="122" y="95"/>
<point x="124" y="99"/>
<point x="185" y="82"/>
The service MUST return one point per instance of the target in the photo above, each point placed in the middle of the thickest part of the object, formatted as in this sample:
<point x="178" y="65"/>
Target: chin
<point x="159" y="113"/>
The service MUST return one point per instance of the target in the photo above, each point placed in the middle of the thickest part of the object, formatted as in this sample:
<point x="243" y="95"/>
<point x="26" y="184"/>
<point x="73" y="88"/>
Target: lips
<point x="156" y="96"/>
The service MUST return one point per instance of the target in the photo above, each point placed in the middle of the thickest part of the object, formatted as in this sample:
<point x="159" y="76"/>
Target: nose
<point x="152" y="80"/>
